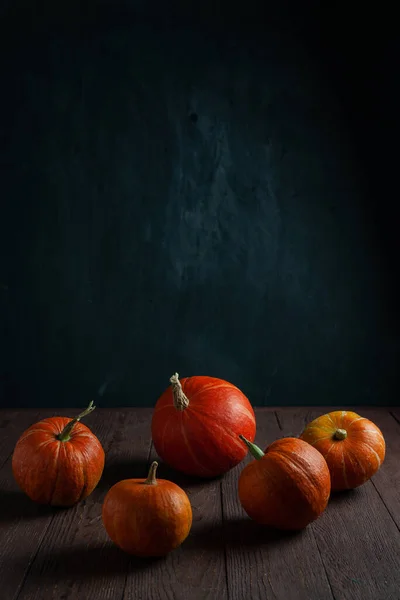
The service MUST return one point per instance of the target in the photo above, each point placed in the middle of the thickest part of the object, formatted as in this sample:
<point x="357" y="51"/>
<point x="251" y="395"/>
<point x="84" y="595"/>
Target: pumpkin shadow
<point x="184" y="481"/>
<point x="122" y="469"/>
<point x="344" y="497"/>
<point x="240" y="532"/>
<point x="15" y="505"/>
<point x="245" y="532"/>
<point x="138" y="468"/>
<point x="81" y="562"/>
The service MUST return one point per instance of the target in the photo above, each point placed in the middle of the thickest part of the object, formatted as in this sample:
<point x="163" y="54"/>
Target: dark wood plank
<point x="12" y="424"/>
<point x="395" y="412"/>
<point x="263" y="564"/>
<point x="357" y="537"/>
<point x="76" y="559"/>
<point x="387" y="479"/>
<point x="23" y="523"/>
<point x="197" y="569"/>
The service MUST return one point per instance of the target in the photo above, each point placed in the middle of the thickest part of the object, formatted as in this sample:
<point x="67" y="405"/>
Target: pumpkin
<point x="287" y="487"/>
<point x="58" y="461"/>
<point x="353" y="447"/>
<point x="196" y="423"/>
<point x="147" y="517"/>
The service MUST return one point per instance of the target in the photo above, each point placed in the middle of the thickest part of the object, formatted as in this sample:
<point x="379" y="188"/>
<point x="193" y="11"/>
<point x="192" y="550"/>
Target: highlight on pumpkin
<point x="196" y="424"/>
<point x="147" y="517"/>
<point x="353" y="447"/>
<point x="48" y="476"/>
<point x="287" y="487"/>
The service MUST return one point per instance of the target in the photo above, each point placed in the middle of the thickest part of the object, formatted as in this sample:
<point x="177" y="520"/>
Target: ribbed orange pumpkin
<point x="147" y="517"/>
<point x="353" y="447"/>
<point x="196" y="424"/>
<point x="58" y="461"/>
<point x="287" y="487"/>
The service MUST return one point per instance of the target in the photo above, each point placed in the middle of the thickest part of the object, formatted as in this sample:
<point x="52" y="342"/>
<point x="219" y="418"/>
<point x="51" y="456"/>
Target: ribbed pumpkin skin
<point x="353" y="460"/>
<point x="286" y="489"/>
<point x="53" y="472"/>
<point x="202" y="440"/>
<point x="147" y="520"/>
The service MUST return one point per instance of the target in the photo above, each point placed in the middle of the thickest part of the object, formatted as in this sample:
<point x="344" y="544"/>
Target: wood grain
<point x="197" y="569"/>
<point x="12" y="425"/>
<point x="395" y="412"/>
<point x="357" y="537"/>
<point x="387" y="479"/>
<point x="263" y="564"/>
<point x="23" y="524"/>
<point x="77" y="560"/>
<point x="351" y="553"/>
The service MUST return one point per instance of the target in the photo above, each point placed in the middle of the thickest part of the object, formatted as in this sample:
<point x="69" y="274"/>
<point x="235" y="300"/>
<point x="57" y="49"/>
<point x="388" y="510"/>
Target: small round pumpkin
<point x="147" y="517"/>
<point x="58" y="461"/>
<point x="196" y="424"/>
<point x="287" y="487"/>
<point x="353" y="447"/>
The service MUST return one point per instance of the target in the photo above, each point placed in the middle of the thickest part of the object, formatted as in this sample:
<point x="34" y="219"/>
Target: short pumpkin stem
<point x="255" y="450"/>
<point x="181" y="401"/>
<point x="340" y="434"/>
<point x="151" y="477"/>
<point x="65" y="435"/>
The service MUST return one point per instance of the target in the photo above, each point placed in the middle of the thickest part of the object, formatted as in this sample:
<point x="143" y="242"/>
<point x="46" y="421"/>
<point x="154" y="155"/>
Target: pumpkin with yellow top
<point x="353" y="447"/>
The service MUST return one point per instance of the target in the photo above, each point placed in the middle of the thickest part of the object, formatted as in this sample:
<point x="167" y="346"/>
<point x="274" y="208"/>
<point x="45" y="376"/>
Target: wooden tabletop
<point x="351" y="552"/>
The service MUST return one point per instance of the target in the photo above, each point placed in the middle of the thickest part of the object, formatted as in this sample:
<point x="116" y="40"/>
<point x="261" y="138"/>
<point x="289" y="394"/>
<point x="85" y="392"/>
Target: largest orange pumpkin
<point x="196" y="424"/>
<point x="353" y="447"/>
<point x="58" y="461"/>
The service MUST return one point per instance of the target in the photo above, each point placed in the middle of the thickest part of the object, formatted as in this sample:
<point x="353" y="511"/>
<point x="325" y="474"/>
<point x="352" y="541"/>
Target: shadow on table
<point x="82" y="562"/>
<point x="85" y="561"/>
<point x="184" y="481"/>
<point x="137" y="469"/>
<point x="122" y="469"/>
<point x="15" y="505"/>
<point x="240" y="532"/>
<point x="345" y="497"/>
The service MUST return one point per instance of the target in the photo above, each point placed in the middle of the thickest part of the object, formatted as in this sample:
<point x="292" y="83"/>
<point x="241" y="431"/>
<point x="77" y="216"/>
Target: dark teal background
<point x="196" y="189"/>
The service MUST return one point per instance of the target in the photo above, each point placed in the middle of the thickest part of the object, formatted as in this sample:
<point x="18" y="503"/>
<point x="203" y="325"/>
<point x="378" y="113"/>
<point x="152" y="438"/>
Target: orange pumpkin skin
<point x="288" y="487"/>
<point x="354" y="454"/>
<point x="199" y="434"/>
<point x="54" y="472"/>
<point x="147" y="520"/>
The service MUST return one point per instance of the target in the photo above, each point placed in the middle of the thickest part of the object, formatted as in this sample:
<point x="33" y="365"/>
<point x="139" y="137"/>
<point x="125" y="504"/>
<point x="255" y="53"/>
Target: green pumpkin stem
<point x="181" y="401"/>
<point x="65" y="435"/>
<point x="255" y="450"/>
<point x="340" y="434"/>
<point x="151" y="477"/>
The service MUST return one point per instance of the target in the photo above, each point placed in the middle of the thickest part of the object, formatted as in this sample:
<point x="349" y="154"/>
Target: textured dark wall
<point x="181" y="195"/>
